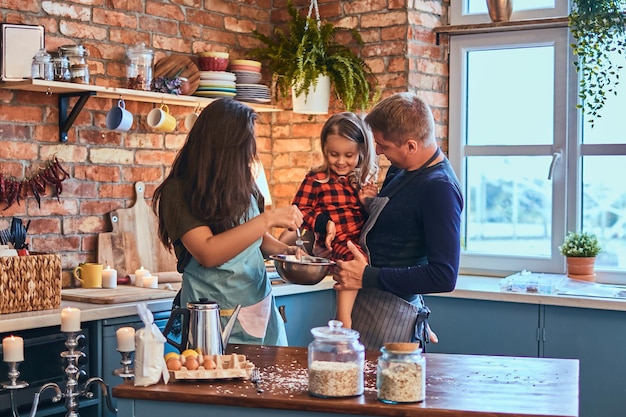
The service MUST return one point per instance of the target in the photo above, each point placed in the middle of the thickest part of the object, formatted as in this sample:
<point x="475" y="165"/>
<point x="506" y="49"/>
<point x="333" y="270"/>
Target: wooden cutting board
<point x="121" y="294"/>
<point x="118" y="249"/>
<point x="171" y="66"/>
<point x="142" y="223"/>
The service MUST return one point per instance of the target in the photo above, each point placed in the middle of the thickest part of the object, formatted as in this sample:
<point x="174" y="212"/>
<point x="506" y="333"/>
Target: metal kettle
<point x="201" y="327"/>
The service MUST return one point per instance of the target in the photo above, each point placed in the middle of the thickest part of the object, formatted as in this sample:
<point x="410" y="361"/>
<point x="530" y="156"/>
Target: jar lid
<point x="334" y="332"/>
<point x="140" y="49"/>
<point x="76" y="50"/>
<point x="399" y="347"/>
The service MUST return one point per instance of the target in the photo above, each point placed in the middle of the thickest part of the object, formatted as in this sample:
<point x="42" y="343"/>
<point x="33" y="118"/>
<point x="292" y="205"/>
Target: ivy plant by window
<point x="530" y="168"/>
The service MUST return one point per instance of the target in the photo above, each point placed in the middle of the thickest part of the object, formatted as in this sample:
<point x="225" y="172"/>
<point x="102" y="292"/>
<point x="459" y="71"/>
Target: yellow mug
<point x="161" y="119"/>
<point x="89" y="274"/>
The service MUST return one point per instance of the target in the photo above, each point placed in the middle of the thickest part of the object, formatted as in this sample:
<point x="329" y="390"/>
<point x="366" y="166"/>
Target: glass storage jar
<point x="41" y="68"/>
<point x="336" y="362"/>
<point x="401" y="373"/>
<point x="61" y="66"/>
<point x="139" y="67"/>
<point x="79" y="70"/>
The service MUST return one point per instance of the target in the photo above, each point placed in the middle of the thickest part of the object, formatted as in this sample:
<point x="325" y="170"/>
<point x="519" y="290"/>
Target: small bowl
<point x="309" y="271"/>
<point x="212" y="63"/>
<point x="214" y="54"/>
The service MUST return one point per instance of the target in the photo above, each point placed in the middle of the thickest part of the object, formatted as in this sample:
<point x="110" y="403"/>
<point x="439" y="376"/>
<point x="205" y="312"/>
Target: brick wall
<point x="104" y="165"/>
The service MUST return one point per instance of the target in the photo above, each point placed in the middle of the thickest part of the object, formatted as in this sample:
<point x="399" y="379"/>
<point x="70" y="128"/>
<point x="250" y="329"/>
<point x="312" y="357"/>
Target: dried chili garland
<point x="12" y="189"/>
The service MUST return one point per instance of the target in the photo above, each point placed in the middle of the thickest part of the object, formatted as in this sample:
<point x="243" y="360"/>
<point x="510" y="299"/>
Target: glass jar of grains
<point x="336" y="362"/>
<point x="139" y="67"/>
<point x="401" y="374"/>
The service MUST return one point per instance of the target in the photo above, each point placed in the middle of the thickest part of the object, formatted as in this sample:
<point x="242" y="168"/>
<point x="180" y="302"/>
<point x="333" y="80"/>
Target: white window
<point x="529" y="171"/>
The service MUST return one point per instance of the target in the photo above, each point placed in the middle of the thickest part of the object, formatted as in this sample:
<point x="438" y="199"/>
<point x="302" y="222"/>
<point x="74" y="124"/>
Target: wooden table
<point x="456" y="385"/>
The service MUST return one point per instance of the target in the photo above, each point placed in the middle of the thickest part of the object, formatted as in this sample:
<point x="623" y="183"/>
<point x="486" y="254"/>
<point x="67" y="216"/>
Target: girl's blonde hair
<point x="352" y="127"/>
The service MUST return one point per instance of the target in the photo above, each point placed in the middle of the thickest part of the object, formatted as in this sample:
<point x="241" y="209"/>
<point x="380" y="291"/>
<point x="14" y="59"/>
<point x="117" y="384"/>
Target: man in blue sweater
<point x="412" y="235"/>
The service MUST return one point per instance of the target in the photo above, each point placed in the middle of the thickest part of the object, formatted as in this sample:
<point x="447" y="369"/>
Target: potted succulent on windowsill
<point x="308" y="51"/>
<point x="598" y="28"/>
<point x="580" y="250"/>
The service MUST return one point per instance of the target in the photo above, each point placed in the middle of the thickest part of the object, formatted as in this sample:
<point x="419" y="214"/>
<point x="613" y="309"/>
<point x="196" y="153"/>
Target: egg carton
<point x="232" y="366"/>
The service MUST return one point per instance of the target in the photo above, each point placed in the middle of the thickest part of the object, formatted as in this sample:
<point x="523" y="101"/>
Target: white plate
<point x="217" y="75"/>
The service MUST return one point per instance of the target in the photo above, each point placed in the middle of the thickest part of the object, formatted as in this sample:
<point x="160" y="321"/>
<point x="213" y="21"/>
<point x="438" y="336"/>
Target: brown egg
<point x="173" y="364"/>
<point x="209" y="364"/>
<point x="192" y="363"/>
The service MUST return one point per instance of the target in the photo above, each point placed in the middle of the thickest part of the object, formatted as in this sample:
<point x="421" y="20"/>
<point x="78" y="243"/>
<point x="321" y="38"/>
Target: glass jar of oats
<point x="336" y="362"/>
<point x="401" y="374"/>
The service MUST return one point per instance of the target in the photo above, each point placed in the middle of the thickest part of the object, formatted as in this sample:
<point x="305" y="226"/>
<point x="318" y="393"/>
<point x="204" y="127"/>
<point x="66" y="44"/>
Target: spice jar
<point x="139" y="67"/>
<point x="401" y="373"/>
<point x="336" y="362"/>
<point x="61" y="66"/>
<point x="41" y="68"/>
<point x="79" y="73"/>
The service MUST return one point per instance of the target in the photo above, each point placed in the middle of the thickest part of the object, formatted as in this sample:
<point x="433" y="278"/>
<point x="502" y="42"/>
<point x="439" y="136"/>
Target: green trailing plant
<point x="598" y="28"/>
<point x="580" y="245"/>
<point x="309" y="49"/>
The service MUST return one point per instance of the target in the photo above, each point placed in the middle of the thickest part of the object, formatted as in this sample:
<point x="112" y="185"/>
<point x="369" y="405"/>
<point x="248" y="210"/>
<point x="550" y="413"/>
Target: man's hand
<point x="349" y="274"/>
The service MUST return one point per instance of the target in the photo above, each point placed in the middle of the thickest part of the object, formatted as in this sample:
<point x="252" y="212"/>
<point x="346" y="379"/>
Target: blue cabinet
<point x="483" y="327"/>
<point x="597" y="338"/>
<point x="304" y="311"/>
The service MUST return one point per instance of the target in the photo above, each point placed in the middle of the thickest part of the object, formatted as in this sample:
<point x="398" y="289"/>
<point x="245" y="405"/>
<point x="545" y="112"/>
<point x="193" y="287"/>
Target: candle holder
<point x="72" y="392"/>
<point x="13" y="384"/>
<point x="125" y="372"/>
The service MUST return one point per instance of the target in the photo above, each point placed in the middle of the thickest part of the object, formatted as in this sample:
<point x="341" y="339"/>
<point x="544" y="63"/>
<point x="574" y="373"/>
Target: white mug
<point x="118" y="118"/>
<point x="190" y="120"/>
<point x="161" y="119"/>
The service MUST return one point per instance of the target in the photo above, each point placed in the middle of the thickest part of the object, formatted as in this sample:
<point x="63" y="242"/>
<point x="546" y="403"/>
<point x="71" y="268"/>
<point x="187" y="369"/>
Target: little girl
<point x="333" y="197"/>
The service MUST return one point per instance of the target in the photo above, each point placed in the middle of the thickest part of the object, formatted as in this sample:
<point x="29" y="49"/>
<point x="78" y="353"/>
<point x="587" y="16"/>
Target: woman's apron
<point x="380" y="316"/>
<point x="241" y="280"/>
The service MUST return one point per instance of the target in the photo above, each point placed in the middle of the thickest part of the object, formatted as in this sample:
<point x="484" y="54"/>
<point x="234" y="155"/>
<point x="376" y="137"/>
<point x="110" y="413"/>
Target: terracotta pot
<point x="581" y="268"/>
<point x="500" y="10"/>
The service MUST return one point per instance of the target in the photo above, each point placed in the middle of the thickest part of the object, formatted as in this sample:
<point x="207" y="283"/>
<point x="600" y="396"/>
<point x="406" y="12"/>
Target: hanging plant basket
<point x="315" y="100"/>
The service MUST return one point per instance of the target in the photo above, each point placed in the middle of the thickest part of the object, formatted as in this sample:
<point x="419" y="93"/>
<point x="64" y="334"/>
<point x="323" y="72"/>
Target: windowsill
<point x="501" y="26"/>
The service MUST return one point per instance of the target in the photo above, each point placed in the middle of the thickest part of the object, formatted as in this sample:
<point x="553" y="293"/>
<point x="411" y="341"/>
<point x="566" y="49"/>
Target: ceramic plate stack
<point x="248" y="75"/>
<point x="216" y="84"/>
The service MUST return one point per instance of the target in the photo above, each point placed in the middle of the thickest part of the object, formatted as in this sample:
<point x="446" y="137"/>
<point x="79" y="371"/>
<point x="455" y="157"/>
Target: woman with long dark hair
<point x="211" y="213"/>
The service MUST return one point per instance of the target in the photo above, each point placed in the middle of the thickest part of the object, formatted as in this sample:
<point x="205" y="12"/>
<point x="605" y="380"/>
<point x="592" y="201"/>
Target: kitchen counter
<point x="470" y="287"/>
<point x="459" y="385"/>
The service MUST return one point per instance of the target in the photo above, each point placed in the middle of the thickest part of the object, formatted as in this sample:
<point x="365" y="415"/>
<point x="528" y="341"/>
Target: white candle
<point x="139" y="274"/>
<point x="125" y="339"/>
<point x="13" y="349"/>
<point x="109" y="277"/>
<point x="70" y="320"/>
<point x="150" y="281"/>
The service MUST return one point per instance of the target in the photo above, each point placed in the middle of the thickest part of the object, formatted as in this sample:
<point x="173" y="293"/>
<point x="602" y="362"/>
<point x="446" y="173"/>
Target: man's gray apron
<point x="380" y="316"/>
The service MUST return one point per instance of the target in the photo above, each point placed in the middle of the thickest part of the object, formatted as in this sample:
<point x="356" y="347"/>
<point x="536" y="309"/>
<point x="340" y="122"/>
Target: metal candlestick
<point x="13" y="384"/>
<point x="126" y="372"/>
<point x="73" y="371"/>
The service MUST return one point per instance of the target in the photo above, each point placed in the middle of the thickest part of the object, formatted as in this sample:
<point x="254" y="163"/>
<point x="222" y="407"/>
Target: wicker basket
<point x="30" y="283"/>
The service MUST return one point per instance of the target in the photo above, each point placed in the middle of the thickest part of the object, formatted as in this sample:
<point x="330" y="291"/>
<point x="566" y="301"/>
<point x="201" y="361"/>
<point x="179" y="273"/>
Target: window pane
<point x="510" y="98"/>
<point x="609" y="128"/>
<point x="508" y="205"/>
<point x="604" y="207"/>
<point x="480" y="6"/>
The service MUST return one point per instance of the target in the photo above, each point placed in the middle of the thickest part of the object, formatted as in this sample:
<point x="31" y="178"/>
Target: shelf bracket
<point x="67" y="120"/>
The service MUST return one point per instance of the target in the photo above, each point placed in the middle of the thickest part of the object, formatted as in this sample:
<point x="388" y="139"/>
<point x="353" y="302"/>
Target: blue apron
<point x="241" y="280"/>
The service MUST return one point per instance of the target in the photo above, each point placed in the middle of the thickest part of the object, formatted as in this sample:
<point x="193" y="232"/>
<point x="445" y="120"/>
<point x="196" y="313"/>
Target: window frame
<point x="459" y="17"/>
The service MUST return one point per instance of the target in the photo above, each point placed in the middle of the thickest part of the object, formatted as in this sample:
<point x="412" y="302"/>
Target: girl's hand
<point x="367" y="191"/>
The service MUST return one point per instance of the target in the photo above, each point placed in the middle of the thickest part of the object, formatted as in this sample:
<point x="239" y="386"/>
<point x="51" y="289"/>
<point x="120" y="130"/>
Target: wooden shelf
<point x="67" y="90"/>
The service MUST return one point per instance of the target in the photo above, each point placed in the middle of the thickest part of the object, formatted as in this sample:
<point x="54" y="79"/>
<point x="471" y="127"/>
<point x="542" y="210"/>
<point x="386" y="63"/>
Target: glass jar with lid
<point x="336" y="362"/>
<point x="41" y="68"/>
<point x="75" y="53"/>
<point x="401" y="373"/>
<point x="139" y="67"/>
<point x="61" y="66"/>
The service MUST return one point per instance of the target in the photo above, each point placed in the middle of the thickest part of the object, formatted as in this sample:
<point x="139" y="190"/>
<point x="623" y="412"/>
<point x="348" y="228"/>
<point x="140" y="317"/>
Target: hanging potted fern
<point x="300" y="59"/>
<point x="598" y="28"/>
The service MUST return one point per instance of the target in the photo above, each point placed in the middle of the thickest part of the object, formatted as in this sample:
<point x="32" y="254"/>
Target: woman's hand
<point x="331" y="233"/>
<point x="289" y="217"/>
<point x="349" y="274"/>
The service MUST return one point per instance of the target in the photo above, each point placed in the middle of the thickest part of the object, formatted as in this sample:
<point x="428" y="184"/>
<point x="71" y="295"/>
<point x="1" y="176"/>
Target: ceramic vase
<point x="316" y="99"/>
<point x="581" y="268"/>
<point x="500" y="10"/>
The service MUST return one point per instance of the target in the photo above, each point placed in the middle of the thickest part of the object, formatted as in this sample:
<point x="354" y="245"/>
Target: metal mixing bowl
<point x="307" y="271"/>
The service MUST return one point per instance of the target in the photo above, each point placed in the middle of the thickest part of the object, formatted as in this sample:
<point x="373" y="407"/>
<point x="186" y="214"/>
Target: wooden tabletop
<point x="456" y="385"/>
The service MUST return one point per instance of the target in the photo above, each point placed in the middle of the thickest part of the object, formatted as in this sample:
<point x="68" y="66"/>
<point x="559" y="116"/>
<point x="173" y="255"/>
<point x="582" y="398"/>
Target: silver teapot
<point x="201" y="327"/>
